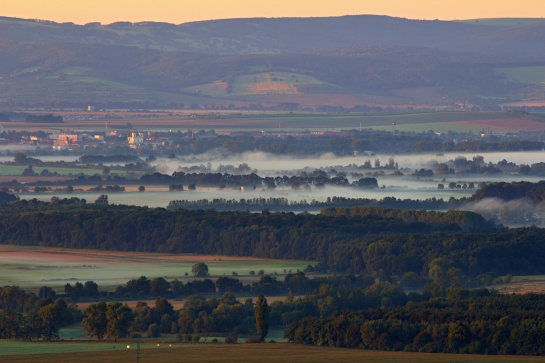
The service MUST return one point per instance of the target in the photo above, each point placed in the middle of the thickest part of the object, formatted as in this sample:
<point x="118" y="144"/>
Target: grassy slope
<point x="530" y="75"/>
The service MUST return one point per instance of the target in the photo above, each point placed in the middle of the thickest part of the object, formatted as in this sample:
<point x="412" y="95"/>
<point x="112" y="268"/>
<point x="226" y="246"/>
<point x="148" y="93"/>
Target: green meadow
<point x="33" y="267"/>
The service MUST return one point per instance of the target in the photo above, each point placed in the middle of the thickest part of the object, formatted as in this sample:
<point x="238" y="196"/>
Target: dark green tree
<point x="119" y="318"/>
<point x="262" y="311"/>
<point x="200" y="269"/>
<point x="102" y="200"/>
<point x="95" y="322"/>
<point x="51" y="316"/>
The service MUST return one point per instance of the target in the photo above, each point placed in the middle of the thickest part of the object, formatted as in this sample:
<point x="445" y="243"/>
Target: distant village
<point x="157" y="141"/>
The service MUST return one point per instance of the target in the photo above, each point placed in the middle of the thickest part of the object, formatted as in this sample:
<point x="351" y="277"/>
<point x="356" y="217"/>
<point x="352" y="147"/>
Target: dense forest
<point x="464" y="322"/>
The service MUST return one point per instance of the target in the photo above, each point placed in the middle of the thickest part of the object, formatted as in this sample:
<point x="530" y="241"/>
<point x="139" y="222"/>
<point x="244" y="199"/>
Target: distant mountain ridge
<point x="347" y="60"/>
<point x="273" y="35"/>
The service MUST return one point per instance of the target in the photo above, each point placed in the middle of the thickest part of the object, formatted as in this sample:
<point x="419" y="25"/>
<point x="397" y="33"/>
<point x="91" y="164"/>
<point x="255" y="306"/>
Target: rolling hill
<point x="343" y="61"/>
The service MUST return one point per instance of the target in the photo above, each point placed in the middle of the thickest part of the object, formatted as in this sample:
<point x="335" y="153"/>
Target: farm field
<point x="259" y="84"/>
<point x="440" y="121"/>
<point x="278" y="352"/>
<point x="499" y="126"/>
<point x="33" y="267"/>
<point x="523" y="285"/>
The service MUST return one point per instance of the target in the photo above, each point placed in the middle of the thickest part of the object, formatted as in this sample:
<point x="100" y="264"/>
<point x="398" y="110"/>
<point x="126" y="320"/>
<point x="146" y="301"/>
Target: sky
<point x="182" y="11"/>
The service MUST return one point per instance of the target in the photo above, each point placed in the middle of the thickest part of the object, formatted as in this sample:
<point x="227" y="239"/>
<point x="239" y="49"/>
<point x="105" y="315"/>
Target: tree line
<point x="283" y="204"/>
<point x="42" y="319"/>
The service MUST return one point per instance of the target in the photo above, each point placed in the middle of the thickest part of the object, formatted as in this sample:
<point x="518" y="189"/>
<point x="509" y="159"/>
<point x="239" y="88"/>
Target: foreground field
<point x="279" y="352"/>
<point x="32" y="267"/>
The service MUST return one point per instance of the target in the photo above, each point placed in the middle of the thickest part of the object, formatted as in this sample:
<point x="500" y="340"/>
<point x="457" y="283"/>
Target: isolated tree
<point x="262" y="311"/>
<point x="19" y="158"/>
<point x="200" y="269"/>
<point x="28" y="171"/>
<point x="102" y="200"/>
<point x="175" y="188"/>
<point x="141" y="188"/>
<point x="91" y="288"/>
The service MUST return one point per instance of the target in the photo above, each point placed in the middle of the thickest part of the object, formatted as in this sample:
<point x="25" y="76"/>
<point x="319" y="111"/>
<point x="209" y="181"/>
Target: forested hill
<point x="384" y="246"/>
<point x="262" y="35"/>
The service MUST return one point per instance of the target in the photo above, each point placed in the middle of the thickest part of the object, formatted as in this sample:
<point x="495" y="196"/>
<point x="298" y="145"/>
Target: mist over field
<point x="406" y="186"/>
<point x="267" y="164"/>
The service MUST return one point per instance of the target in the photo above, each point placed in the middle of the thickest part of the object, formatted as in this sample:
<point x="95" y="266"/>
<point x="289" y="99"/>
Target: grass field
<point x="263" y="353"/>
<point x="32" y="267"/>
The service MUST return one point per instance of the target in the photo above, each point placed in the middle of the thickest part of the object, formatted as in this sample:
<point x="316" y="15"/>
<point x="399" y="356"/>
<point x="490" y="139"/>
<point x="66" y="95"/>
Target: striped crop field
<point x="241" y="353"/>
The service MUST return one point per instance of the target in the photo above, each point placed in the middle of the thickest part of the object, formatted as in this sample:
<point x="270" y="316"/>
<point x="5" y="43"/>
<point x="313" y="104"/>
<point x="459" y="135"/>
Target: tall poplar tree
<point x="262" y="311"/>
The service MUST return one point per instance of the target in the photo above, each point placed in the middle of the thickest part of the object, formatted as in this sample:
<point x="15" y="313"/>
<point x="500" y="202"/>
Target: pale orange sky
<point x="181" y="11"/>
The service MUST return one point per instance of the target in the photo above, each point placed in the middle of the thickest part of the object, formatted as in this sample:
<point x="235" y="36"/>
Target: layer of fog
<point x="161" y="198"/>
<point x="513" y="213"/>
<point x="266" y="164"/>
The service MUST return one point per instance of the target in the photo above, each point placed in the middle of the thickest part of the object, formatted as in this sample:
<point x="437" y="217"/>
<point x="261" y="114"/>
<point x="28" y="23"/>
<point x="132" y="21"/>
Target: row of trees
<point x="199" y="316"/>
<point x="159" y="286"/>
<point x="24" y="316"/>
<point x="283" y="204"/>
